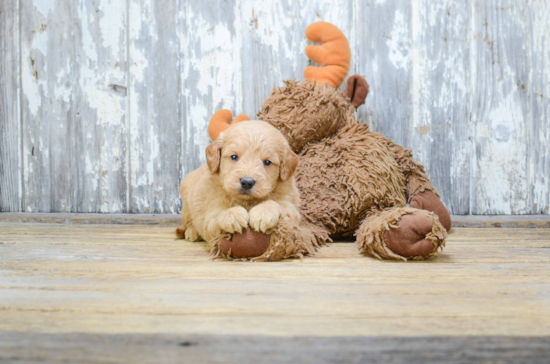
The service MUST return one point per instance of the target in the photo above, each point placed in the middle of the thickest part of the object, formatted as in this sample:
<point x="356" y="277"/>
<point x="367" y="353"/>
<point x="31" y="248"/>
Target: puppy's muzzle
<point x="247" y="183"/>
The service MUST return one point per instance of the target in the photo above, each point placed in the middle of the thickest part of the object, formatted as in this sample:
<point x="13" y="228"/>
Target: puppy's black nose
<point x="247" y="183"/>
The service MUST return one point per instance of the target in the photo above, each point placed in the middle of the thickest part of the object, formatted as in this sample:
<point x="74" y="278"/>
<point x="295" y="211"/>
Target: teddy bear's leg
<point x="401" y="233"/>
<point x="417" y="180"/>
<point x="420" y="191"/>
<point x="288" y="239"/>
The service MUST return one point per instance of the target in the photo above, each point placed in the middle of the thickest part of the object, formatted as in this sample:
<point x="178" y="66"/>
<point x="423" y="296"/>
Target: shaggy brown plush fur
<point x="305" y="112"/>
<point x="342" y="177"/>
<point x="352" y="181"/>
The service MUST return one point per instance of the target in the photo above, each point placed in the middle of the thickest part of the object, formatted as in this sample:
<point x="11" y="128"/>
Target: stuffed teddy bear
<point x="352" y="181"/>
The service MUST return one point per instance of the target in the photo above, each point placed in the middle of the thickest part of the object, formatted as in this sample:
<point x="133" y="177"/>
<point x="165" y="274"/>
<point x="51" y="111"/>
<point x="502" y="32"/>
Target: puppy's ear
<point x="289" y="165"/>
<point x="213" y="152"/>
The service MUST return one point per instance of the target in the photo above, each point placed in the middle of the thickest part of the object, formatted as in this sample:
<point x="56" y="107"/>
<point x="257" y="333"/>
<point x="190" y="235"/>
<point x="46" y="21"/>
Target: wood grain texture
<point x="439" y="127"/>
<point x="34" y="348"/>
<point x="212" y="72"/>
<point x="105" y="104"/>
<point x="501" y="55"/>
<point x="112" y="279"/>
<point x="100" y="136"/>
<point x="11" y="188"/>
<point x="48" y="116"/>
<point x="73" y="75"/>
<point x="539" y="144"/>
<point x="156" y="116"/>
<point x="274" y="42"/>
<point x="383" y="44"/>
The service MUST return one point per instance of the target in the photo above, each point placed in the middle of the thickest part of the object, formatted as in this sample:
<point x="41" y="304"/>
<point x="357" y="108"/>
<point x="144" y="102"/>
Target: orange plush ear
<point x="221" y="121"/>
<point x="334" y="54"/>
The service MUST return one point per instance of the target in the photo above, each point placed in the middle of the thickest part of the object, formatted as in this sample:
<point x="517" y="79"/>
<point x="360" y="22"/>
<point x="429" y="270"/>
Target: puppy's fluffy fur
<point x="214" y="200"/>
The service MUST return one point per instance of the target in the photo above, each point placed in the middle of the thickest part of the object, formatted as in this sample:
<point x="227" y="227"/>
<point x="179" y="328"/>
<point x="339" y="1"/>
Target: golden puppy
<point x="248" y="181"/>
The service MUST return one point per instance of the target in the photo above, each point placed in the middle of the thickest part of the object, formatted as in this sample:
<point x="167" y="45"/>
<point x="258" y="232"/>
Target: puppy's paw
<point x="265" y="216"/>
<point x="233" y="220"/>
<point x="191" y="234"/>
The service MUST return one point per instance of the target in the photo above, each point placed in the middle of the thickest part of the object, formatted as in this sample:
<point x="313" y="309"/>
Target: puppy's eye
<point x="235" y="157"/>
<point x="267" y="162"/>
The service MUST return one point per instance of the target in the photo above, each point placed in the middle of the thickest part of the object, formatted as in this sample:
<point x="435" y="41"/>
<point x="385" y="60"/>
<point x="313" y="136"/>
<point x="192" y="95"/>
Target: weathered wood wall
<point x="105" y="103"/>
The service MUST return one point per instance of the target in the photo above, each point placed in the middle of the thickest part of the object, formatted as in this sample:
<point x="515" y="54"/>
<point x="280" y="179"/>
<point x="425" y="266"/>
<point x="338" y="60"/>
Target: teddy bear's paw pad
<point x="409" y="239"/>
<point x="429" y="201"/>
<point x="248" y="244"/>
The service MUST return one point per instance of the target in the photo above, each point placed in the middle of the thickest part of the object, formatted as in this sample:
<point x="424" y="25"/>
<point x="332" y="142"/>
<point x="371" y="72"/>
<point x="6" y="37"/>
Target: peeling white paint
<point x="501" y="112"/>
<point x="108" y="107"/>
<point x="265" y="17"/>
<point x="89" y="45"/>
<point x="502" y="173"/>
<point x="30" y="86"/>
<point x="103" y="38"/>
<point x="539" y="150"/>
<point x="44" y="7"/>
<point x="213" y="63"/>
<point x="33" y="72"/>
<point x="213" y="66"/>
<point x="398" y="42"/>
<point x="111" y="24"/>
<point x="152" y="157"/>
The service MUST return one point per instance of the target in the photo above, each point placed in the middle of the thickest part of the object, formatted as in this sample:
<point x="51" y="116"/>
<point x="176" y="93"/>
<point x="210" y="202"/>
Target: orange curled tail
<point x="334" y="54"/>
<point x="221" y="120"/>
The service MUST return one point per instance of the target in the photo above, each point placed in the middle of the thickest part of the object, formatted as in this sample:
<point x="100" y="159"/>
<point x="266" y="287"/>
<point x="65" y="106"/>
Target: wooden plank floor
<point x="60" y="282"/>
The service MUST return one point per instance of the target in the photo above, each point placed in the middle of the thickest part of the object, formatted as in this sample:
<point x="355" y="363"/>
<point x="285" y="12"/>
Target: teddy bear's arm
<point x="416" y="179"/>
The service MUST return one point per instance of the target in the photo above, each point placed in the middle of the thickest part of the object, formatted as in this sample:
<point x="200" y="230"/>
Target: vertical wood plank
<point x="501" y="84"/>
<point x="212" y="72"/>
<point x="539" y="145"/>
<point x="440" y="127"/>
<point x="73" y="77"/>
<point x="383" y="51"/>
<point x="274" y="42"/>
<point x="10" y="116"/>
<point x="156" y="104"/>
<point x="101" y="94"/>
<point x="34" y="51"/>
<point x="47" y="105"/>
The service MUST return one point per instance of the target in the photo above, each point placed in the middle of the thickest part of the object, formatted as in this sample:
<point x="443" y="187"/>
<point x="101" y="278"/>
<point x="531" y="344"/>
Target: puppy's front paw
<point x="233" y="220"/>
<point x="265" y="216"/>
<point x="191" y="234"/>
